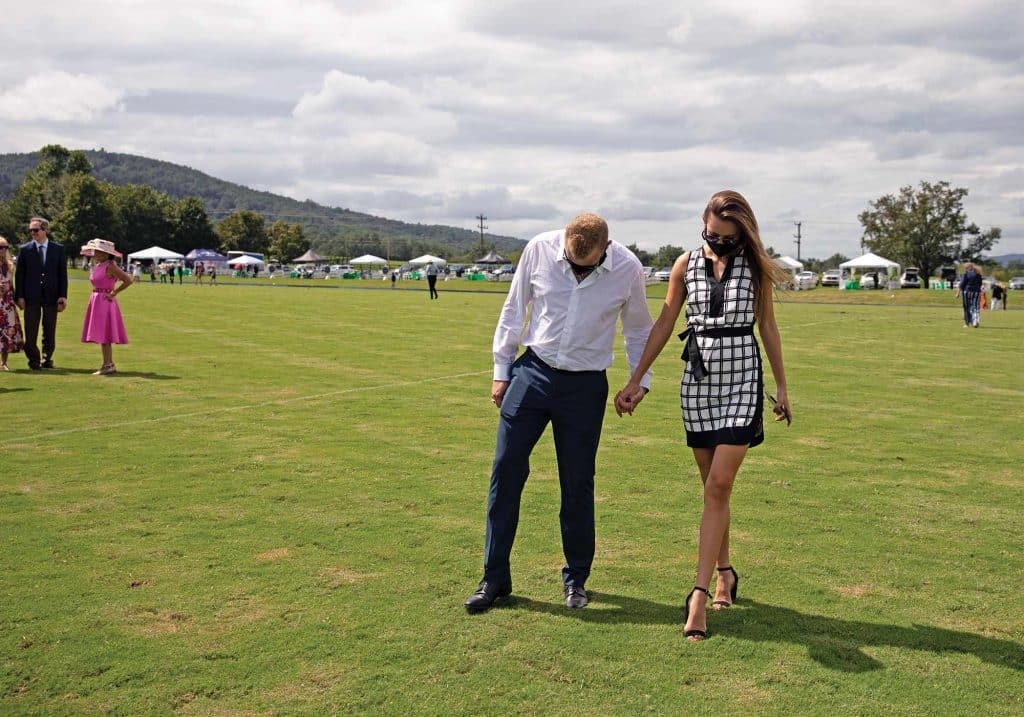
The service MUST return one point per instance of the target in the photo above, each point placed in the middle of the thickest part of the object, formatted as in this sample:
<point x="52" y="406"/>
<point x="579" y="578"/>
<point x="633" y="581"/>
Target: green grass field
<point x="277" y="507"/>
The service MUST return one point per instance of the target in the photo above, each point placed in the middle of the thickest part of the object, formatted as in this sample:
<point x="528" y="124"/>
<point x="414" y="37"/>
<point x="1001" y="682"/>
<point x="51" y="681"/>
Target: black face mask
<point x="584" y="268"/>
<point x="721" y="248"/>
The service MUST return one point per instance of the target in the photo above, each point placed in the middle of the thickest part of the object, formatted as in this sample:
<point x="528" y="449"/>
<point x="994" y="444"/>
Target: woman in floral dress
<point x="11" y="339"/>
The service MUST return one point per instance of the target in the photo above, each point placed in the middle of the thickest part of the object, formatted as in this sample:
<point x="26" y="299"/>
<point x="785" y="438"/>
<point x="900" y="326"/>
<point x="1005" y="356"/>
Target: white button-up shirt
<point x="572" y="324"/>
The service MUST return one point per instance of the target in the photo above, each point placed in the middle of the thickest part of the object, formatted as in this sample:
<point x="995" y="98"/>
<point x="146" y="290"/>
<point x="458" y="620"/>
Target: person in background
<point x="726" y="287"/>
<point x="200" y="271"/>
<point x="11" y="338"/>
<point x="572" y="287"/>
<point x="998" y="297"/>
<point x="213" y="274"/>
<point x="103" y="323"/>
<point x="432" y="271"/>
<point x="41" y="291"/>
<point x="181" y="274"/>
<point x="969" y="291"/>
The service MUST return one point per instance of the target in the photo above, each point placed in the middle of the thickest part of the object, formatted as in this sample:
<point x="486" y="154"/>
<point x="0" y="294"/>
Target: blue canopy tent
<point x="205" y="255"/>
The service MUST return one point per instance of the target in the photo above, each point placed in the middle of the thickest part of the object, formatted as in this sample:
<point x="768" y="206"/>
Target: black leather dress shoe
<point x="47" y="364"/>
<point x="575" y="597"/>
<point x="486" y="595"/>
<point x="35" y="367"/>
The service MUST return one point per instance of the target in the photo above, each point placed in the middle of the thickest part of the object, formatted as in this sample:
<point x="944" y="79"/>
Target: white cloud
<point x="58" y="96"/>
<point x="530" y="112"/>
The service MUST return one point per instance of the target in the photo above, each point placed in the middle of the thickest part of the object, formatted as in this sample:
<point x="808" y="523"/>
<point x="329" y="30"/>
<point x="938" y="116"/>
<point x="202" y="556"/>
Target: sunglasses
<point x="709" y="236"/>
<point x="3" y="247"/>
<point x="34" y="231"/>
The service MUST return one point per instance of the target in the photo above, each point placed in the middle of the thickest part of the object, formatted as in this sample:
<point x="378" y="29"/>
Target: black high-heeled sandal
<point x="732" y="592"/>
<point x="702" y="634"/>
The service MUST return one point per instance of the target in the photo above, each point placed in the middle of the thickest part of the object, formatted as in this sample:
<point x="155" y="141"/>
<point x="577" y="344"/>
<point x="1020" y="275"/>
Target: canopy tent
<point x="492" y="257"/>
<point x="870" y="261"/>
<point x="244" y="260"/>
<point x="368" y="259"/>
<point x="204" y="255"/>
<point x="791" y="264"/>
<point x="428" y="259"/>
<point x="155" y="253"/>
<point x="310" y="257"/>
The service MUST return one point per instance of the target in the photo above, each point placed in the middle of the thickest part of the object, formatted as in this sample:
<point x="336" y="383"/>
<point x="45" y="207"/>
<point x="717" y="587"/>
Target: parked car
<point x="911" y="278"/>
<point x="806" y="280"/>
<point x="663" y="274"/>
<point x="504" y="269"/>
<point x="339" y="269"/>
<point x="831" y="277"/>
<point x="868" y="281"/>
<point x="1017" y="283"/>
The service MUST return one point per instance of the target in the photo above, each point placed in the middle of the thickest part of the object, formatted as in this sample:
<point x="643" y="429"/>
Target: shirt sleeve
<point x="636" y="324"/>
<point x="513" y="316"/>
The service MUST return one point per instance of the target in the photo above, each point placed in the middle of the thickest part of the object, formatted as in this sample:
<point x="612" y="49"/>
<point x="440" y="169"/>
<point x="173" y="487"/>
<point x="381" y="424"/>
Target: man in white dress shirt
<point x="574" y="284"/>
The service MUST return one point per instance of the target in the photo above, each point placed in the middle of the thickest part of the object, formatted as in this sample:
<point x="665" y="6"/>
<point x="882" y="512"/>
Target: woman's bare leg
<point x="714" y="522"/>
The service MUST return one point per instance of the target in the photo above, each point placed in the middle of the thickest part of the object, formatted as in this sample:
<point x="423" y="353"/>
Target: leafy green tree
<point x="243" y="231"/>
<point x="143" y="217"/>
<point x="87" y="213"/>
<point x="645" y="257"/>
<point x="287" y="241"/>
<point x="191" y="227"/>
<point x="667" y="255"/>
<point x="78" y="163"/>
<point x="926" y="228"/>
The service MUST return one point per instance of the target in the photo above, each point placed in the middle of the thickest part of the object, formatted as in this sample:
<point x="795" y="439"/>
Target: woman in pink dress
<point x="11" y="340"/>
<point x="103" y="323"/>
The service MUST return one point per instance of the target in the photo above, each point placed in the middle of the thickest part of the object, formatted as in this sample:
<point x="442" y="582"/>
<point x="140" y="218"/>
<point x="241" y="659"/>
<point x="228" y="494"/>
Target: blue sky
<point x="530" y="112"/>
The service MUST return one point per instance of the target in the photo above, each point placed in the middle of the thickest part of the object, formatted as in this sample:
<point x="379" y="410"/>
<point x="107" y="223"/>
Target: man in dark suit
<point x="41" y="290"/>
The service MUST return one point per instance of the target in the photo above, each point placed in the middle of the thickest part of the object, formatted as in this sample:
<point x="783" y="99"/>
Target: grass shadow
<point x="832" y="642"/>
<point x="838" y="644"/>
<point x="130" y="374"/>
<point x="625" y="609"/>
<point x="13" y="390"/>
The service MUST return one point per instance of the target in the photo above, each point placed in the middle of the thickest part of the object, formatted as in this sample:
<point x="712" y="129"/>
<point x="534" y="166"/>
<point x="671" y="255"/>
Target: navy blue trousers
<point x="574" y="404"/>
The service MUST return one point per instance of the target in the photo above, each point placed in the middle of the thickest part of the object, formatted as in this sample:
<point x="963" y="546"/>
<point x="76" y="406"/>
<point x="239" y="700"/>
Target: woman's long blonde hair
<point x="730" y="205"/>
<point x="8" y="262"/>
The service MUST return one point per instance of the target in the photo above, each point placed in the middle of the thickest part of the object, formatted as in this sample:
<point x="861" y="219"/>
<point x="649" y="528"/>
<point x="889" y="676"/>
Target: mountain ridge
<point x="326" y="227"/>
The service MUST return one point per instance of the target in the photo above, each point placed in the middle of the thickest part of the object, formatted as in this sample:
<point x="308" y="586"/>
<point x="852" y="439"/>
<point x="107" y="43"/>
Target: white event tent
<point x="427" y="259"/>
<point x="155" y="253"/>
<point x="791" y="264"/>
<point x="244" y="260"/>
<point x="871" y="261"/>
<point x="368" y="259"/>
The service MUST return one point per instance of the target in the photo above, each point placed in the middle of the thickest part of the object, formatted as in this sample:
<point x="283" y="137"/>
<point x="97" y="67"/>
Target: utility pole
<point x="797" y="242"/>
<point x="481" y="217"/>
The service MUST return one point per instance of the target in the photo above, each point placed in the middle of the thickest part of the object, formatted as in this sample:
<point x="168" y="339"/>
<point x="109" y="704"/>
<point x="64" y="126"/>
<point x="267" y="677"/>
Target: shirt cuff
<point x="502" y="371"/>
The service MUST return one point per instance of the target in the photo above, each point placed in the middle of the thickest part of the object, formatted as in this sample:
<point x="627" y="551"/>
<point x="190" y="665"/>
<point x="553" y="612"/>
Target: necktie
<point x="42" y="255"/>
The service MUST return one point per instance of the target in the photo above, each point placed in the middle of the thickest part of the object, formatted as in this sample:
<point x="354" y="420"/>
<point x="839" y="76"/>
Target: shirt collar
<point x="607" y="265"/>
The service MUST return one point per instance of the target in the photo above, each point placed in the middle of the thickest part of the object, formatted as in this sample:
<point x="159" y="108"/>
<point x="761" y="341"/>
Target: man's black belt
<point x="548" y="366"/>
<point x="691" y="352"/>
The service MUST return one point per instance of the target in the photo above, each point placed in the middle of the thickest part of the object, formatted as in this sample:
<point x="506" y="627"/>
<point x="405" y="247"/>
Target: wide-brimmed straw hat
<point x="107" y="247"/>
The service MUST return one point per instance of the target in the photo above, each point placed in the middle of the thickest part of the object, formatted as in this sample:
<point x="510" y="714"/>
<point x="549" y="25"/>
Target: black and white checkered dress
<point x="725" y="405"/>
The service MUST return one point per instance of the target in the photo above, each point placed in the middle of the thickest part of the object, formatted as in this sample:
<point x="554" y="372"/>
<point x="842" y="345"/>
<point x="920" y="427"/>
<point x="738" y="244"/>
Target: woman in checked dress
<point x="726" y="285"/>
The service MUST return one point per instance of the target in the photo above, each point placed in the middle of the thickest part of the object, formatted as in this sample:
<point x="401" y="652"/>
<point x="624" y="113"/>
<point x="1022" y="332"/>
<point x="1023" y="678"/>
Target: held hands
<point x="62" y="304"/>
<point x="21" y="304"/>
<point x="629" y="398"/>
<point x="498" y="389"/>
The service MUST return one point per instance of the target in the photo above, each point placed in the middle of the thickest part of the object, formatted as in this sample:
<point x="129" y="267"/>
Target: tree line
<point x="62" y="188"/>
